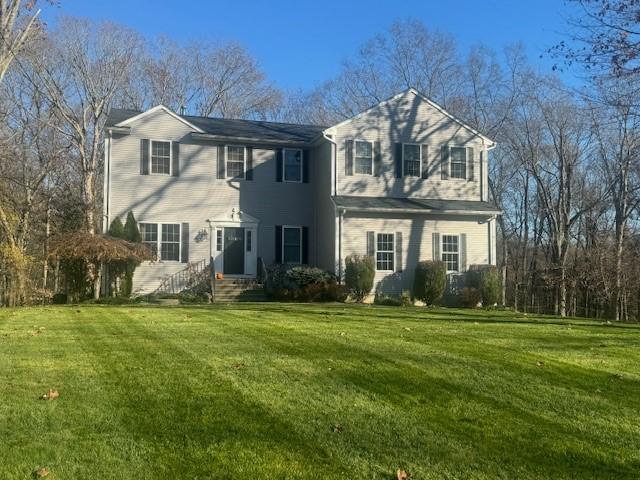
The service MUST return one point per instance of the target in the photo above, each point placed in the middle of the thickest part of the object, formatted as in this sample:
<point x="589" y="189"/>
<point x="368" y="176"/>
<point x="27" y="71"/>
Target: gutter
<point x="120" y="130"/>
<point x="235" y="139"/>
<point x="489" y="213"/>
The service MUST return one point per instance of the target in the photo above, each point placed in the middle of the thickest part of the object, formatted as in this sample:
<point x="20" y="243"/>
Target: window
<point x="363" y="157"/>
<point x="458" y="156"/>
<point x="149" y="235"/>
<point x="170" y="244"/>
<point x="384" y="252"/>
<point x="235" y="162"/>
<point x="451" y="252"/>
<point x="249" y="240"/>
<point x="411" y="160"/>
<point x="292" y="165"/>
<point x="291" y="245"/>
<point x="160" y="158"/>
<point x="219" y="240"/>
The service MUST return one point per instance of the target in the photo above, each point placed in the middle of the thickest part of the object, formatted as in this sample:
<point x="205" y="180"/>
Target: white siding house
<point x="389" y="182"/>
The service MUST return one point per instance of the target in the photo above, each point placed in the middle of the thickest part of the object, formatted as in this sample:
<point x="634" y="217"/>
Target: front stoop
<point x="238" y="290"/>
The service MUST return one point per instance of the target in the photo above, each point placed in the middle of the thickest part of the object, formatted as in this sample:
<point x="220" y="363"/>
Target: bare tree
<point x="16" y="23"/>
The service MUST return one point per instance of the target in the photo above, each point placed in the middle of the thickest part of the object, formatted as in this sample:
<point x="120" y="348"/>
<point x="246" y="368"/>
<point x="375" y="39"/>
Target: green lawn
<point x="312" y="391"/>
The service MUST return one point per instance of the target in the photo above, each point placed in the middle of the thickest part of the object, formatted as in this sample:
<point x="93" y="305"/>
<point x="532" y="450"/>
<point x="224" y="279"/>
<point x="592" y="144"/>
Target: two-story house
<point x="403" y="181"/>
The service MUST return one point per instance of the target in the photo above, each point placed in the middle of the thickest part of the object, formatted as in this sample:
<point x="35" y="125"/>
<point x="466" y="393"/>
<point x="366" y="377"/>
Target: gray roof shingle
<point x="236" y="128"/>
<point x="417" y="204"/>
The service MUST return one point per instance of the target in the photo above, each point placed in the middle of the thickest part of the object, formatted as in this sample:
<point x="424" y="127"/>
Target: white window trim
<point x="170" y="142"/>
<point x="442" y="252"/>
<point x="226" y="160"/>
<point x="355" y="158"/>
<point x="419" y="145"/>
<point x="466" y="160"/>
<point x="393" y="250"/>
<point x="299" y="228"/>
<point x="159" y="240"/>
<point x="284" y="165"/>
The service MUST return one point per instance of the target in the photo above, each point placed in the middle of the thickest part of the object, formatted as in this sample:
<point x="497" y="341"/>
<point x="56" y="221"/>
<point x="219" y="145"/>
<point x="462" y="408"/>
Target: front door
<point x="234" y="251"/>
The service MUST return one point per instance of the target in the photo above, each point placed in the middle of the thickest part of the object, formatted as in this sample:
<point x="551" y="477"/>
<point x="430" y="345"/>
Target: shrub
<point x="486" y="279"/>
<point x="59" y="299"/>
<point x="359" y="274"/>
<point x="403" y="300"/>
<point x="302" y="276"/>
<point x="470" y="297"/>
<point x="302" y="284"/>
<point x="430" y="281"/>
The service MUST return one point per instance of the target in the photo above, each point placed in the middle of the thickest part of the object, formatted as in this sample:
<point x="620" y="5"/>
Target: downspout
<point x="107" y="183"/>
<point x="340" y="219"/>
<point x="334" y="176"/>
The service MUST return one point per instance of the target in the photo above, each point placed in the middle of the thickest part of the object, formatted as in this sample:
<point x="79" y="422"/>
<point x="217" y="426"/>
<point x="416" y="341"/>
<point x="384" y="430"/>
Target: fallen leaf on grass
<point x="402" y="475"/>
<point x="540" y="364"/>
<point x="240" y="365"/>
<point x="337" y="428"/>
<point x="50" y="395"/>
<point x="40" y="472"/>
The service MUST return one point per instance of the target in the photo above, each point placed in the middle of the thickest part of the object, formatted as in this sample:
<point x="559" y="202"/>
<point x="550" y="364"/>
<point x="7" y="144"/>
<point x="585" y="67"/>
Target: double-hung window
<point x="149" y="235"/>
<point x="162" y="238"/>
<point x="363" y="157"/>
<point x="292" y="165"/>
<point x="451" y="252"/>
<point x="458" y="158"/>
<point x="160" y="157"/>
<point x="384" y="252"/>
<point x="236" y="161"/>
<point x="292" y="244"/>
<point x="411" y="160"/>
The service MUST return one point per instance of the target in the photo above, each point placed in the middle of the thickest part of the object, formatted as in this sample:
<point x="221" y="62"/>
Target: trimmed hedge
<point x="302" y="284"/>
<point x="359" y="275"/>
<point x="487" y="280"/>
<point x="430" y="281"/>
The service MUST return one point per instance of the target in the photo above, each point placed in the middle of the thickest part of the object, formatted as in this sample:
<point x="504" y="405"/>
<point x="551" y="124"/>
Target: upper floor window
<point x="160" y="157"/>
<point x="236" y="161"/>
<point x="292" y="165"/>
<point x="384" y="252"/>
<point x="363" y="157"/>
<point x="451" y="252"/>
<point x="292" y="244"/>
<point x="458" y="158"/>
<point x="411" y="160"/>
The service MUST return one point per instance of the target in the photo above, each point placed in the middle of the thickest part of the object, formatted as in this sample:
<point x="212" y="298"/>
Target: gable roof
<point x="427" y="100"/>
<point x="225" y="127"/>
<point x="414" y="205"/>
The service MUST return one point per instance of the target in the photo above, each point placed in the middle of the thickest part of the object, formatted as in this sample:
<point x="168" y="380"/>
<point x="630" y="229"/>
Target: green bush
<point x="470" y="297"/>
<point x="59" y="299"/>
<point x="302" y="276"/>
<point x="359" y="275"/>
<point x="487" y="279"/>
<point x="302" y="284"/>
<point x="430" y="281"/>
<point x="403" y="300"/>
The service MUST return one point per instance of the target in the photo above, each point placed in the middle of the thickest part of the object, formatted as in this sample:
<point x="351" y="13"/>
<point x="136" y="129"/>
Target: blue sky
<point x="300" y="44"/>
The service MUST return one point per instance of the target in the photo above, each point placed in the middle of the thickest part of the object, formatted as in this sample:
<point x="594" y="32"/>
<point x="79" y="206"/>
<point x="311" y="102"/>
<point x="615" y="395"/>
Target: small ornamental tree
<point x="359" y="275"/>
<point x="131" y="234"/>
<point x="430" y="281"/>
<point x="116" y="229"/>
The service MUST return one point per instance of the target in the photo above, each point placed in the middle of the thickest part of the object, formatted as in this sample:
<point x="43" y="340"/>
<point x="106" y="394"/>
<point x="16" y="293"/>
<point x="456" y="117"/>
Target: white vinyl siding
<point x="385" y="252"/>
<point x="363" y="157"/>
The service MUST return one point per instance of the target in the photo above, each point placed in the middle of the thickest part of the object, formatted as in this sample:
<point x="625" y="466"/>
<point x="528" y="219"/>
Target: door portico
<point x="234" y="243"/>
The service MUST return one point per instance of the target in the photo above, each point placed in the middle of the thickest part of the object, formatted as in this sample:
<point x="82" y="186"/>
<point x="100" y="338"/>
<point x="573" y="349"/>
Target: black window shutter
<point x="463" y="252"/>
<point x="144" y="156"/>
<point x="425" y="161"/>
<point x="371" y="244"/>
<point x="470" y="163"/>
<point x="305" y="167"/>
<point x="444" y="162"/>
<point x="377" y="159"/>
<point x="279" y="165"/>
<point x="184" y="248"/>
<point x="278" y="244"/>
<point x="398" y="160"/>
<point x="248" y="175"/>
<point x="221" y="165"/>
<point x="175" y="159"/>
<point x="435" y="245"/>
<point x="398" y="251"/>
<point x="348" y="157"/>
<point x="305" y="245"/>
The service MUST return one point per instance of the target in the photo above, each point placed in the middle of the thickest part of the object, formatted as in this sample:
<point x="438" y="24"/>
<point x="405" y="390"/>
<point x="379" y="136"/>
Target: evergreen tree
<point x="116" y="229"/>
<point x="131" y="231"/>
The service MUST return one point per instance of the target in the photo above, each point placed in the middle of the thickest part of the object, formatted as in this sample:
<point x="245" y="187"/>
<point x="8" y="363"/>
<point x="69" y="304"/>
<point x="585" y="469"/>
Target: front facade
<point x="404" y="181"/>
